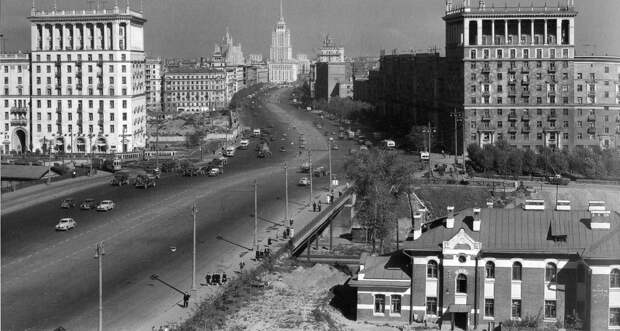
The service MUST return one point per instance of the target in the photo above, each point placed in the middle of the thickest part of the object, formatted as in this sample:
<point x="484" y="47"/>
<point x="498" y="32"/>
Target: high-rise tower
<point x="282" y="66"/>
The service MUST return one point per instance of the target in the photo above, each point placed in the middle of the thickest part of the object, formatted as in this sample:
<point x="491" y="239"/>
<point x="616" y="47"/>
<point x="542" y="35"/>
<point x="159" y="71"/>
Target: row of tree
<point x="503" y="159"/>
<point x="343" y="108"/>
<point x="381" y="180"/>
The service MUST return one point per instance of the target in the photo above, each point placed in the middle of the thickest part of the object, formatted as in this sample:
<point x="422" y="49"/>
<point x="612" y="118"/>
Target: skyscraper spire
<point x="281" y="12"/>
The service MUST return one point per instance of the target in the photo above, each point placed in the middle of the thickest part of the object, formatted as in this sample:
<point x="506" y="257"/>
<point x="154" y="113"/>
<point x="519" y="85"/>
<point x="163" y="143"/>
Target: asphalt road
<point x="50" y="278"/>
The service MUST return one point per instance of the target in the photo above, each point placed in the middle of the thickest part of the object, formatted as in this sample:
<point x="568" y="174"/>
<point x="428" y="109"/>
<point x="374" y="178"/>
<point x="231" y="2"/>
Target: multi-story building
<point x="331" y="75"/>
<point x="234" y="81"/>
<point x="303" y="64"/>
<point x="330" y="52"/>
<point x="255" y="58"/>
<point x="514" y="69"/>
<point x="153" y="88"/>
<point x="15" y="128"/>
<point x="88" y="88"/>
<point x="596" y="119"/>
<point x="227" y="53"/>
<point x="282" y="66"/>
<point x="255" y="74"/>
<point x="479" y="267"/>
<point x="188" y="89"/>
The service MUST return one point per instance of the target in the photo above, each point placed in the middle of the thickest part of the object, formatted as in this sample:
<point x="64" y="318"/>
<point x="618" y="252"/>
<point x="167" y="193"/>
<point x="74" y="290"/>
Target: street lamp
<point x="458" y="117"/>
<point x="99" y="253"/>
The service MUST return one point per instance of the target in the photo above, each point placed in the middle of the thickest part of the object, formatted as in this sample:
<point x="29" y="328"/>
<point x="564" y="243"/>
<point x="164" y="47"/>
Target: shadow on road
<point x="230" y="242"/>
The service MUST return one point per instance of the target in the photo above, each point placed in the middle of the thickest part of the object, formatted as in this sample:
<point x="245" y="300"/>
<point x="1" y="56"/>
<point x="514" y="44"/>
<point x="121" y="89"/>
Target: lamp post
<point x="428" y="130"/>
<point x="194" y="213"/>
<point x="311" y="174"/>
<point x="99" y="252"/>
<point x="286" y="219"/>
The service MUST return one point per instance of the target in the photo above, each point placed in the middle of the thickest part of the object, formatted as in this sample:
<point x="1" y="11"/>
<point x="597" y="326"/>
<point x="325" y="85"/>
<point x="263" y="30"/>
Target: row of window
<point x="89" y="57"/>
<point x="551" y="270"/>
<point x="70" y="128"/>
<point x="512" y="100"/>
<point x="395" y="302"/>
<point x="48" y="68"/>
<point x="513" y="53"/>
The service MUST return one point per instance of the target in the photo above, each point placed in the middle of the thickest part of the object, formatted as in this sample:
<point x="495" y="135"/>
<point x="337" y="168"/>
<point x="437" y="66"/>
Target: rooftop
<point x="457" y="10"/>
<point x="23" y="172"/>
<point x="193" y="70"/>
<point x="36" y="15"/>
<point x="527" y="232"/>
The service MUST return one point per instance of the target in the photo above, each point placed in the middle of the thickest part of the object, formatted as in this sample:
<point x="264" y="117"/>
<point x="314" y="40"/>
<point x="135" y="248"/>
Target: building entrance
<point x="460" y="321"/>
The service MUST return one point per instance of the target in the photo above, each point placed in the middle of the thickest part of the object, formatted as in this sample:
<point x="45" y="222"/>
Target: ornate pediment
<point x="461" y="243"/>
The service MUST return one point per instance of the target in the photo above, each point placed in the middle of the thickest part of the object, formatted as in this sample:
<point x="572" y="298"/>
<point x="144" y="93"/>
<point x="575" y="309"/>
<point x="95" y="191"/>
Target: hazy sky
<point x="189" y="28"/>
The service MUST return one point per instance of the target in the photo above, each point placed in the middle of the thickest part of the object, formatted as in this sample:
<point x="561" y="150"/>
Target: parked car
<point x="282" y="149"/>
<point x="65" y="224"/>
<point x="145" y="181"/>
<point x="120" y="179"/>
<point x="67" y="203"/>
<point x="105" y="205"/>
<point x="214" y="172"/>
<point x="87" y="204"/>
<point x="303" y="181"/>
<point x="335" y="147"/>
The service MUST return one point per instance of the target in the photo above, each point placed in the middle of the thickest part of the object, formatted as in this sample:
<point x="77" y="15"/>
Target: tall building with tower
<point x="15" y="125"/>
<point x="282" y="66"/>
<point x="88" y="72"/>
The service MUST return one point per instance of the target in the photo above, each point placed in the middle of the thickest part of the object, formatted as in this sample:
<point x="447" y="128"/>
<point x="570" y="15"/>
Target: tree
<point x="416" y="138"/>
<point x="475" y="156"/>
<point x="529" y="161"/>
<point x="515" y="162"/>
<point x="488" y="157"/>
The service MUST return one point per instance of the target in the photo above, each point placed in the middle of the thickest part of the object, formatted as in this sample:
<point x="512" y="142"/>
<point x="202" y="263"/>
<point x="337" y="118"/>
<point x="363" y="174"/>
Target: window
<point x="489" y="307"/>
<point x="431" y="269"/>
<point x="614" y="316"/>
<point x="461" y="283"/>
<point x="112" y="128"/>
<point x="395" y="304"/>
<point x="500" y="76"/>
<point x="516" y="271"/>
<point x="431" y="306"/>
<point x="516" y="308"/>
<point x="550" y="272"/>
<point x="111" y="116"/>
<point x="379" y="303"/>
<point x="614" y="278"/>
<point x="490" y="269"/>
<point x="550" y="309"/>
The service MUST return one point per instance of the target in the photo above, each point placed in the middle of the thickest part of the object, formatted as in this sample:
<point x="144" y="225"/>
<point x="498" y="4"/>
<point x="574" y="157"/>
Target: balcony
<point x="512" y="70"/>
<point x="19" y="122"/>
<point x="591" y="118"/>
<point x="78" y="63"/>
<point x="78" y="74"/>
<point x="525" y="82"/>
<point x="552" y="118"/>
<point x="512" y="129"/>
<point x="19" y="110"/>
<point x="551" y="129"/>
<point x="525" y="93"/>
<point x="489" y="128"/>
<point x="486" y="93"/>
<point x="525" y="118"/>
<point x="525" y="129"/>
<point x="100" y="122"/>
<point x="591" y="130"/>
<point x="512" y="117"/>
<point x="100" y="86"/>
<point x="525" y="70"/>
<point x="78" y="86"/>
<point x="59" y="110"/>
<point x="512" y="92"/>
<point x="57" y="63"/>
<point x="512" y="81"/>
<point x="79" y="110"/>
<point x="99" y="73"/>
<point x="551" y="93"/>
<point x="58" y="87"/>
<point x="487" y="80"/>
<point x="79" y="121"/>
<point x="100" y="110"/>
<point x="100" y="62"/>
<point x="551" y="70"/>
<point x="58" y="122"/>
<point x="57" y="74"/>
<point x="486" y="69"/>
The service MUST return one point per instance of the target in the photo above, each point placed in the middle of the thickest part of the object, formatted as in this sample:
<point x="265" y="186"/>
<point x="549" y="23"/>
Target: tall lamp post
<point x="99" y="252"/>
<point x="428" y="130"/>
<point x="458" y="117"/>
<point x="286" y="219"/>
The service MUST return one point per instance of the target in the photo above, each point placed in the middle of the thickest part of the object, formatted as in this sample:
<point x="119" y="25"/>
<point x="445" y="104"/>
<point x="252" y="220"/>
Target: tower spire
<point x="281" y="12"/>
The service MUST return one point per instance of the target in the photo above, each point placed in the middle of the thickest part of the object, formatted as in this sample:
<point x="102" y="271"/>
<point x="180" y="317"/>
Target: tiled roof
<point x="518" y="230"/>
<point x="22" y="172"/>
<point x="385" y="267"/>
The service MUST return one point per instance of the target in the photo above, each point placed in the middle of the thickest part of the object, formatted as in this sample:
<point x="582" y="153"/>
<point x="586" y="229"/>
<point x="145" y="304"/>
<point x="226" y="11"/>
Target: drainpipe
<point x="476" y="295"/>
<point x="411" y="290"/>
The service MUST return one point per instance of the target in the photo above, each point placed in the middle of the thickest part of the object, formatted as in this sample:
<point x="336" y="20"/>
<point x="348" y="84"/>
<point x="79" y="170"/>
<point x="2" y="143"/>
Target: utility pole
<point x="329" y="154"/>
<point x="311" y="174"/>
<point x="255" y="215"/>
<point x="455" y="139"/>
<point x="286" y="219"/>
<point x="194" y="212"/>
<point x="99" y="252"/>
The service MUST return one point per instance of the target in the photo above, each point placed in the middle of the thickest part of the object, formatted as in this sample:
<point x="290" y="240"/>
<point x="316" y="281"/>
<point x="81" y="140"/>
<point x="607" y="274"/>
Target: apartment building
<point x="191" y="89"/>
<point x="15" y="129"/>
<point x="153" y="88"/>
<point x="88" y="88"/>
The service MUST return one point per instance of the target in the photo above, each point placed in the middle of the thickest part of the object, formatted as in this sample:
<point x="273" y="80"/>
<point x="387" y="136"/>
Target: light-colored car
<point x="214" y="172"/>
<point x="303" y="181"/>
<point x="335" y="147"/>
<point x="65" y="224"/>
<point x="105" y="205"/>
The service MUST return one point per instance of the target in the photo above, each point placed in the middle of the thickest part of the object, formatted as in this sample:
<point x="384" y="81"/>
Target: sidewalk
<point x="302" y="214"/>
<point x="32" y="195"/>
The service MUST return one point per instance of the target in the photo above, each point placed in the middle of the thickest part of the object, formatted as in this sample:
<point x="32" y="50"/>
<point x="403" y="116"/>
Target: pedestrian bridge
<point x="312" y="230"/>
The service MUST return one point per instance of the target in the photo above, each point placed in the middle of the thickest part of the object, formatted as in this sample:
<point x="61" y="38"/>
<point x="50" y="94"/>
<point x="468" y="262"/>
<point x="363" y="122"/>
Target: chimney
<point x="600" y="220"/>
<point x="477" y="219"/>
<point x="417" y="225"/>
<point x="450" y="217"/>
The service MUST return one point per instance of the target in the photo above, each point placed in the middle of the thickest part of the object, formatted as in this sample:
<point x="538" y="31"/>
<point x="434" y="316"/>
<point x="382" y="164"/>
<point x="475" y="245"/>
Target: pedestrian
<point x="185" y="299"/>
<point x="208" y="279"/>
<point x="319" y="206"/>
<point x="241" y="266"/>
<point x="314" y="206"/>
<point x="339" y="194"/>
<point x="291" y="222"/>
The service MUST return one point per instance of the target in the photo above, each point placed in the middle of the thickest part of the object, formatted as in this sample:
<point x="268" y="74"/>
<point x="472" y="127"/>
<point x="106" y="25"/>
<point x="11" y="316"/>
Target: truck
<point x="256" y="132"/>
<point x="146" y="181"/>
<point x="389" y="144"/>
<point x="305" y="167"/>
<point x="350" y="134"/>
<point x="244" y="143"/>
<point x="120" y="178"/>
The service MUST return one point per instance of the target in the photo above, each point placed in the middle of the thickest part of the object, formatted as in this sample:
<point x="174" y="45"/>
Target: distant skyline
<point x="190" y="28"/>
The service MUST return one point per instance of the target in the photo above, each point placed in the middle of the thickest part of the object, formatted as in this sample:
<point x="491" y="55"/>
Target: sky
<point x="190" y="28"/>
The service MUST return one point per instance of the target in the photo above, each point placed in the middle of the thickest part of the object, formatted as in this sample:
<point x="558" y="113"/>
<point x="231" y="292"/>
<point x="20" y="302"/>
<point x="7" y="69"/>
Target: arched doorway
<point x="102" y="145"/>
<point x="59" y="145"/>
<point x="81" y="145"/>
<point x="19" y="143"/>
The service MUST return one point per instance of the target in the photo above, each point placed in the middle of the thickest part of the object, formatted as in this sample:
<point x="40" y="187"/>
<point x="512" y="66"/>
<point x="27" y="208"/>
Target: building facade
<point x="330" y="52"/>
<point x="189" y="89"/>
<point x="88" y="88"/>
<point x="282" y="66"/>
<point x="227" y="53"/>
<point x="153" y="88"/>
<point x="15" y="114"/>
<point x="480" y="267"/>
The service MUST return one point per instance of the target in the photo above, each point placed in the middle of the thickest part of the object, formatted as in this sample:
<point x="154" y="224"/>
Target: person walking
<point x="185" y="299"/>
<point x="314" y="206"/>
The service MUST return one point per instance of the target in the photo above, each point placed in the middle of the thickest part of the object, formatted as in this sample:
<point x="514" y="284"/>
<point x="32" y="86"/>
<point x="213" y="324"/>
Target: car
<point x="214" y="172"/>
<point x="303" y="181"/>
<point x="105" y="205"/>
<point x="363" y="148"/>
<point x="282" y="149"/>
<point x="67" y="203"/>
<point x="335" y="147"/>
<point x="87" y="204"/>
<point x="65" y="224"/>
